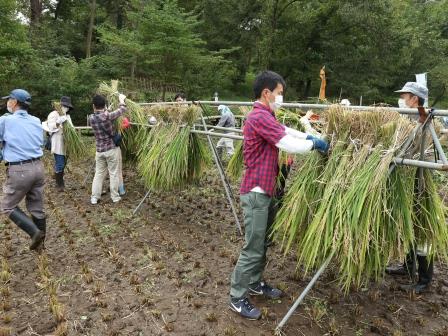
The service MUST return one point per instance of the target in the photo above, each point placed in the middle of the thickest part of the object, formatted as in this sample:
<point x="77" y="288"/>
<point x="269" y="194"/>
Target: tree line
<point x="158" y="47"/>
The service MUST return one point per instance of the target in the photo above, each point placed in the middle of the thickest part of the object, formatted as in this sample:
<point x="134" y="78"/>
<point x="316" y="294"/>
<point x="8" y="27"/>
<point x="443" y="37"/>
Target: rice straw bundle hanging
<point x="132" y="136"/>
<point x="351" y="206"/>
<point x="75" y="148"/>
<point x="171" y="156"/>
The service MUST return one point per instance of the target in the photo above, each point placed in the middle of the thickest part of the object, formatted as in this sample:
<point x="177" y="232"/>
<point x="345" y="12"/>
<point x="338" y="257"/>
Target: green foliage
<point x="161" y="43"/>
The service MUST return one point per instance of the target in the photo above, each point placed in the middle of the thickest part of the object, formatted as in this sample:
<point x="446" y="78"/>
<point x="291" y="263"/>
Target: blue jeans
<point x="59" y="163"/>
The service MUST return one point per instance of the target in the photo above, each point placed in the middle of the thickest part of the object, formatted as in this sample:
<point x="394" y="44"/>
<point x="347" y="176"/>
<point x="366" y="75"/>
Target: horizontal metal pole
<point x="219" y="135"/>
<point x="396" y="160"/>
<point x="166" y="103"/>
<point x="407" y="111"/>
<point x="420" y="164"/>
<point x="236" y="130"/>
<point x="213" y="134"/>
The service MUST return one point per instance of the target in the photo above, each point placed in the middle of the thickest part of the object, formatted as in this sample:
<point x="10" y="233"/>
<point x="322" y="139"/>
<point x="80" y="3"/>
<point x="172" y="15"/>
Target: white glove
<point x="152" y="120"/>
<point x="121" y="98"/>
<point x="60" y="120"/>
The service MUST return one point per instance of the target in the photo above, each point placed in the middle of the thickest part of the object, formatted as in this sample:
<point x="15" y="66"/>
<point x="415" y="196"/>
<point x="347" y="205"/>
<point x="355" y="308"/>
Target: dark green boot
<point x="27" y="225"/>
<point x="41" y="224"/>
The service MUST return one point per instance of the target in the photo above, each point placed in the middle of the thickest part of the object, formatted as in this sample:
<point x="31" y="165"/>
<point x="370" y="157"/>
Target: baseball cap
<point x="416" y="89"/>
<point x="20" y="95"/>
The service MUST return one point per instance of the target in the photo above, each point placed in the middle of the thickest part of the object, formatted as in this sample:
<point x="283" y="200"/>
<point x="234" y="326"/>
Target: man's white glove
<point x="60" y="120"/>
<point x="152" y="120"/>
<point x="121" y="98"/>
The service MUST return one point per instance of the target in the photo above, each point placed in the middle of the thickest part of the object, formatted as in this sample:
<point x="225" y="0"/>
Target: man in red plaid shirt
<point x="263" y="137"/>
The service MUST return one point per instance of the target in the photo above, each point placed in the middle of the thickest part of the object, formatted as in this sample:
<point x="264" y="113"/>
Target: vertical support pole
<point x="437" y="144"/>
<point x="303" y="294"/>
<point x="141" y="203"/>
<point x="406" y="145"/>
<point x="224" y="180"/>
<point x="420" y="187"/>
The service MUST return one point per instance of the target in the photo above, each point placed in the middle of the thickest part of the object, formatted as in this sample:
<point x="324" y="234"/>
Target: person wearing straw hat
<point x="413" y="95"/>
<point x="263" y="137"/>
<point x="54" y="126"/>
<point x="22" y="138"/>
<point x="227" y="120"/>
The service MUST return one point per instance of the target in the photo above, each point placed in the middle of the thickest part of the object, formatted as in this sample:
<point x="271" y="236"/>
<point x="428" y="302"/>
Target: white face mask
<point x="402" y="103"/>
<point x="277" y="103"/>
<point x="65" y="109"/>
<point x="9" y="108"/>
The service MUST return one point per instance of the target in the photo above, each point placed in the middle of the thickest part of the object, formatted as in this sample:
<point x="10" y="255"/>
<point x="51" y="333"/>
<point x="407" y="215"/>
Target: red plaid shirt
<point x="261" y="132"/>
<point x="102" y="121"/>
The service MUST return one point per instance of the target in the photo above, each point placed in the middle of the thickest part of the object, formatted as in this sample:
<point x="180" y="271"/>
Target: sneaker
<point x="263" y="288"/>
<point x="93" y="200"/>
<point x="116" y="200"/>
<point x="245" y="309"/>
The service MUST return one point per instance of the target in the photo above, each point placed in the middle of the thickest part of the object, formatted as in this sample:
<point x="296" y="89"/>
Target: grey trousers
<point x="24" y="181"/>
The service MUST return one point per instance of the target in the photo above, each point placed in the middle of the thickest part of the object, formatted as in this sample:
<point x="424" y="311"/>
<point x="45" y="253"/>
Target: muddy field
<point x="166" y="272"/>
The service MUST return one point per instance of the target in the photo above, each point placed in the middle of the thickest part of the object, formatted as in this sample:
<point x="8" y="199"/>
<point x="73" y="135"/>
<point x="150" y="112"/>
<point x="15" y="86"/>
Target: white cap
<point x="345" y="102"/>
<point x="416" y="89"/>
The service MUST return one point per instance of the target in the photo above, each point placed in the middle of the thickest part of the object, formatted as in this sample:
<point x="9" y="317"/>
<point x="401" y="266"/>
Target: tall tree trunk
<point x="36" y="12"/>
<point x="90" y="29"/>
<point x="306" y="91"/>
<point x="133" y="66"/>
<point x="58" y="9"/>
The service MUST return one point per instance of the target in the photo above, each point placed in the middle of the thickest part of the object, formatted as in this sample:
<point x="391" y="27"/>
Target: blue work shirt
<point x="22" y="136"/>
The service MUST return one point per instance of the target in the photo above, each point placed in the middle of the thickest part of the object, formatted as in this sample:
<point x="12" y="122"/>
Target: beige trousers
<point x="107" y="161"/>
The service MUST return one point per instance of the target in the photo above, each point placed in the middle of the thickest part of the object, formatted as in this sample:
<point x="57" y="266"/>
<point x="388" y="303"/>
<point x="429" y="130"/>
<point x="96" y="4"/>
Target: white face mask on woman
<point x="402" y="103"/>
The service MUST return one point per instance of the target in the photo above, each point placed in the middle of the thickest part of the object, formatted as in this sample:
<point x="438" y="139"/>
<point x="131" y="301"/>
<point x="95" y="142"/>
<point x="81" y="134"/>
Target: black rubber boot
<point x="403" y="269"/>
<point x="425" y="273"/>
<point x="42" y="226"/>
<point x="27" y="225"/>
<point x="60" y="181"/>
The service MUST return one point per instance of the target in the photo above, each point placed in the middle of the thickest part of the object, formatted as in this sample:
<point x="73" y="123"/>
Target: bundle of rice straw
<point x="170" y="156"/>
<point x="135" y="113"/>
<point x="75" y="148"/>
<point x="348" y="203"/>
